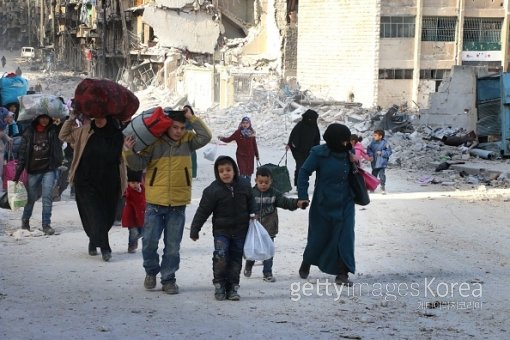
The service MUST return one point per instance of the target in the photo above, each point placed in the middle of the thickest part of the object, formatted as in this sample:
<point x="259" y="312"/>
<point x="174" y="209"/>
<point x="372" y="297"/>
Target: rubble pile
<point x="419" y="151"/>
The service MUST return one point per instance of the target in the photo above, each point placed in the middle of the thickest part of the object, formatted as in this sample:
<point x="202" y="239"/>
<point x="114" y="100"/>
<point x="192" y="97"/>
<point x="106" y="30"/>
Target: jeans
<point x="40" y="183"/>
<point x="168" y="221"/>
<point x="134" y="234"/>
<point x="381" y="173"/>
<point x="228" y="260"/>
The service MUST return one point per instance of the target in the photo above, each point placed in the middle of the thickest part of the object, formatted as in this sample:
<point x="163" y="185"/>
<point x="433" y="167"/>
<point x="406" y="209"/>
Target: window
<point x="395" y="73"/>
<point x="397" y="27"/>
<point x="438" y="28"/>
<point x="438" y="74"/>
<point x="482" y="34"/>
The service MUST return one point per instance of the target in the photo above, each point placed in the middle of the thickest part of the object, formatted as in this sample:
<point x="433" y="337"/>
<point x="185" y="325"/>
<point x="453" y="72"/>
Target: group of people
<point x="156" y="183"/>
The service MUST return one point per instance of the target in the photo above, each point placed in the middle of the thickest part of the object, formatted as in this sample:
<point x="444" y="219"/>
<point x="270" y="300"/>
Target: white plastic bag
<point x="210" y="152"/>
<point x="258" y="245"/>
<point x="16" y="194"/>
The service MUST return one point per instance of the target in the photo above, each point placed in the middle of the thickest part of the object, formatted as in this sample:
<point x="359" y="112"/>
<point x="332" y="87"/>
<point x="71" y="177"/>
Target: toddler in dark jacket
<point x="230" y="201"/>
<point x="267" y="200"/>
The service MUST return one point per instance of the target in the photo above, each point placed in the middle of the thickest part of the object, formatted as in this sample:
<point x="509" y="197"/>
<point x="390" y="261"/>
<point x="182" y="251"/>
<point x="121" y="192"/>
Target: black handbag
<point x="358" y="186"/>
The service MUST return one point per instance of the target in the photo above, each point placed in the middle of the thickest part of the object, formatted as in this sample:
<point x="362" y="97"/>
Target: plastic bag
<point x="258" y="245"/>
<point x="34" y="105"/>
<point x="17" y="195"/>
<point x="210" y="152"/>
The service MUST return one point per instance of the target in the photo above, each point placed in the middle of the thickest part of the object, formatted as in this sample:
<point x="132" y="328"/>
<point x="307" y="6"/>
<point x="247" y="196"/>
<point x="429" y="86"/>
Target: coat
<point x="266" y="207"/>
<point x="331" y="216"/>
<point x="379" y="161"/>
<point x="230" y="209"/>
<point x="26" y="147"/>
<point x="77" y="137"/>
<point x="134" y="208"/>
<point x="168" y="163"/>
<point x="246" y="152"/>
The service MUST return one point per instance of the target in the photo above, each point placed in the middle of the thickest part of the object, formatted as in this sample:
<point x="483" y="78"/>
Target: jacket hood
<point x="36" y="120"/>
<point x="223" y="160"/>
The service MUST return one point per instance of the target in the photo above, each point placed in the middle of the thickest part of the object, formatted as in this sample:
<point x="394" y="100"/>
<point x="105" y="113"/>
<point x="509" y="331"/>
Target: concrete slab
<point x="174" y="3"/>
<point x="195" y="32"/>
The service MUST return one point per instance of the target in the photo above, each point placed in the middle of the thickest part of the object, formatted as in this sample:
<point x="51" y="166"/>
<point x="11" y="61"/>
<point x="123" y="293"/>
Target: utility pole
<point x="29" y="17"/>
<point x="41" y="25"/>
<point x="104" y="40"/>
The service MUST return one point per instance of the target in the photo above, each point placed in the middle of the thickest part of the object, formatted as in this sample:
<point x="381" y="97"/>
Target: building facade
<point x="385" y="52"/>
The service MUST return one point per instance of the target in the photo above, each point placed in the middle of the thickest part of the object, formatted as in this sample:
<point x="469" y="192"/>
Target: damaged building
<point x="398" y="51"/>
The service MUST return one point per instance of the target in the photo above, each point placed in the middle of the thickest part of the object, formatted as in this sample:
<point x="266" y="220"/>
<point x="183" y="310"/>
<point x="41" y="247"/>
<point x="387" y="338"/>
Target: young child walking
<point x="247" y="149"/>
<point x="230" y="201"/>
<point x="267" y="200"/>
<point x="134" y="208"/>
<point x="379" y="152"/>
<point x="358" y="150"/>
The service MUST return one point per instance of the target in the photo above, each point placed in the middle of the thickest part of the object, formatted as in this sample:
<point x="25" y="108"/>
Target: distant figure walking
<point x="4" y="61"/>
<point x="18" y="71"/>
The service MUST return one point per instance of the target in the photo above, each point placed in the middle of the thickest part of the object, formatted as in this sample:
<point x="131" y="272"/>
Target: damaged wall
<point x="456" y="94"/>
<point x="338" y="52"/>
<point x="195" y="32"/>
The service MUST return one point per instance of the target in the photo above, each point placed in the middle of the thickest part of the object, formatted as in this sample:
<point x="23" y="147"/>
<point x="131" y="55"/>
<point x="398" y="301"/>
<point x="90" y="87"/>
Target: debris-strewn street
<point x="432" y="254"/>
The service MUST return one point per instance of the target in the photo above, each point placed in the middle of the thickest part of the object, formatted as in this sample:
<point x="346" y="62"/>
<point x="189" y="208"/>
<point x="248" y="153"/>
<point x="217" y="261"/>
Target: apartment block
<point x="384" y="52"/>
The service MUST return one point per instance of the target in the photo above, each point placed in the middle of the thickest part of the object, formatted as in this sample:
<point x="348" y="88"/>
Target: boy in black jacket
<point x="230" y="200"/>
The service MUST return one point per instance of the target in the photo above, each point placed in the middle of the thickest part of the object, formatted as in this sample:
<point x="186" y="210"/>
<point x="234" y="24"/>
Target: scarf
<point x="246" y="132"/>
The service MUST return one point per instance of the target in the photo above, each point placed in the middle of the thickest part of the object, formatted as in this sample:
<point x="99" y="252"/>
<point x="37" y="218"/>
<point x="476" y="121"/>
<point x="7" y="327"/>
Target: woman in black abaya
<point x="98" y="173"/>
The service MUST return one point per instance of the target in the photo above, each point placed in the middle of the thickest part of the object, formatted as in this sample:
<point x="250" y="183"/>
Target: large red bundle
<point x="97" y="98"/>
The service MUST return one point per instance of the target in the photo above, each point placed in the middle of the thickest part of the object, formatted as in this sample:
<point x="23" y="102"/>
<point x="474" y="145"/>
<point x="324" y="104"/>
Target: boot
<point x="304" y="270"/>
<point x="219" y="292"/>
<point x="47" y="230"/>
<point x="232" y="293"/>
<point x="343" y="280"/>
<point x="25" y="224"/>
<point x="247" y="268"/>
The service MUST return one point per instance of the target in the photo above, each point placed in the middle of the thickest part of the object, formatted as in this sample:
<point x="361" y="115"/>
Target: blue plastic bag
<point x="11" y="87"/>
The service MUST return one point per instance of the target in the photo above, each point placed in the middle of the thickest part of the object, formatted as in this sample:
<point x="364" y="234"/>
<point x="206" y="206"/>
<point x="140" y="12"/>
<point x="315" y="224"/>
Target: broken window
<point x="482" y="34"/>
<point x="438" y="74"/>
<point x="438" y="28"/>
<point x="397" y="27"/>
<point x="395" y="73"/>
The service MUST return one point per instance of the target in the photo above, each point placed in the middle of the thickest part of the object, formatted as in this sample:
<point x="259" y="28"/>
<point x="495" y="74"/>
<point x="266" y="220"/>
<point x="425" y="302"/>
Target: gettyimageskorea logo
<point x="432" y="292"/>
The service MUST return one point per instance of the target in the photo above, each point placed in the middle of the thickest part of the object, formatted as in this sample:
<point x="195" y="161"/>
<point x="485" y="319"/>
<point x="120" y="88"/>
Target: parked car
<point x="27" y="52"/>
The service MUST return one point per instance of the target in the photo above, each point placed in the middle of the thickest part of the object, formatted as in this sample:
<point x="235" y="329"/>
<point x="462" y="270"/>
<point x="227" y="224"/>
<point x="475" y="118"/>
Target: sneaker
<point x="92" y="250"/>
<point x="304" y="270"/>
<point x="47" y="230"/>
<point x="133" y="247"/>
<point x="268" y="277"/>
<point x="219" y="292"/>
<point x="232" y="294"/>
<point x="343" y="280"/>
<point x="25" y="224"/>
<point x="150" y="281"/>
<point x="170" y="288"/>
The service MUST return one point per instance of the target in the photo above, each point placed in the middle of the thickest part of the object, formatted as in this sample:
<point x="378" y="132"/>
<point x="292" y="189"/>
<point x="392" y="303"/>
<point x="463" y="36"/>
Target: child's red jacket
<point x="134" y="208"/>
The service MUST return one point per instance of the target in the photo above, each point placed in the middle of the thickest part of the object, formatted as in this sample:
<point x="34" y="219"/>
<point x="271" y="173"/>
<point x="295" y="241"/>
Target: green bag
<point x="280" y="174"/>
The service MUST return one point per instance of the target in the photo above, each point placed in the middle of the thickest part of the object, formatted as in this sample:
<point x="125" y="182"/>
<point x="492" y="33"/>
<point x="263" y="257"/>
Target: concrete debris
<point x="418" y="148"/>
<point x="195" y="32"/>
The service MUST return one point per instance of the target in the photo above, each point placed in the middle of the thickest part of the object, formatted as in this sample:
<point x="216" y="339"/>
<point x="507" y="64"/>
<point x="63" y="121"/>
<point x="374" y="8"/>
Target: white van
<point x="28" y="52"/>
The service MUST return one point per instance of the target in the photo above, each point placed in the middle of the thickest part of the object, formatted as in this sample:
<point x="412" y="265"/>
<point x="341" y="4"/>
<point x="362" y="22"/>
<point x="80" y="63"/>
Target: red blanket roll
<point x="98" y="98"/>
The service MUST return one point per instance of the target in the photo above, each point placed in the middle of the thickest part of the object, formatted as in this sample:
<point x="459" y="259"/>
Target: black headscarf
<point x="310" y="117"/>
<point x="335" y="136"/>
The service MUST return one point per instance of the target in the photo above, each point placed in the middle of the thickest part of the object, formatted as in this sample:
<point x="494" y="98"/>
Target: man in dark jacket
<point x="303" y="137"/>
<point x="41" y="154"/>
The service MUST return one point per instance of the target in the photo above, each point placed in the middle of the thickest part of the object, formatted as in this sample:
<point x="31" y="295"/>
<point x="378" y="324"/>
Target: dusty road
<point x="430" y="265"/>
